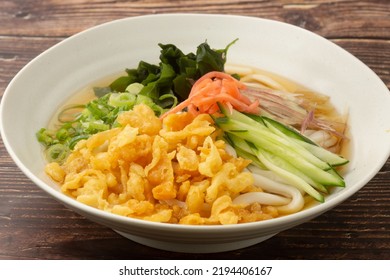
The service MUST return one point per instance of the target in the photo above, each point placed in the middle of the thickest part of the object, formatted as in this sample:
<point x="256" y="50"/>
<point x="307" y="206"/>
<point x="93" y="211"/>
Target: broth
<point x="80" y="97"/>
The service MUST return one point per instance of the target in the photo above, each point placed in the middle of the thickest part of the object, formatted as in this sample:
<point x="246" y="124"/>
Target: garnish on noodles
<point x="239" y="145"/>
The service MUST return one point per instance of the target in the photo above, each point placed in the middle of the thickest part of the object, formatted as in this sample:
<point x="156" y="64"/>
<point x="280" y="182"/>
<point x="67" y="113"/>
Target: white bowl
<point x="49" y="80"/>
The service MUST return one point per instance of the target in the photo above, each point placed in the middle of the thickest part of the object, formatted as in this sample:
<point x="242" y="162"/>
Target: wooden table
<point x="34" y="226"/>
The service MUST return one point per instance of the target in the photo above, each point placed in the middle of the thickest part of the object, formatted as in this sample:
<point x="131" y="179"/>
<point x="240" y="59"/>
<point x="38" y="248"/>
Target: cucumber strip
<point x="250" y="147"/>
<point x="335" y="173"/>
<point x="291" y="178"/>
<point x="271" y="140"/>
<point x="323" y="154"/>
<point x="274" y="146"/>
<point x="300" y="148"/>
<point x="242" y="149"/>
<point x="271" y="133"/>
<point x="255" y="160"/>
<point x="238" y="142"/>
<point x="331" y="158"/>
<point x="278" y="148"/>
<point x="280" y="162"/>
<point x="286" y="130"/>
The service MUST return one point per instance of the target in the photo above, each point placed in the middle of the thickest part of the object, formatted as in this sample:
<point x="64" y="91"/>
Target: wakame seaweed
<point x="175" y="73"/>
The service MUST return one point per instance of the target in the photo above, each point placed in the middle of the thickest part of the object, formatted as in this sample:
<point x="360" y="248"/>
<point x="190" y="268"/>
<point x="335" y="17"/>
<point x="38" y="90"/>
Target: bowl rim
<point x="91" y="211"/>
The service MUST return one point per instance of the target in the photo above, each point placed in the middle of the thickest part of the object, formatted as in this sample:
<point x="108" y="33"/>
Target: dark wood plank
<point x="332" y="19"/>
<point x="16" y="52"/>
<point x="374" y="53"/>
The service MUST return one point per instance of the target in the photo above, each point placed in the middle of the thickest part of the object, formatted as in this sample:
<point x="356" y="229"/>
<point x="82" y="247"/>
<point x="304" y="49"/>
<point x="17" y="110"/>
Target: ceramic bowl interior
<point x="38" y="90"/>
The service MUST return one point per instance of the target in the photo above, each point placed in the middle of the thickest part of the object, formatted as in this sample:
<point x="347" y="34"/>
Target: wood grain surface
<point x="35" y="226"/>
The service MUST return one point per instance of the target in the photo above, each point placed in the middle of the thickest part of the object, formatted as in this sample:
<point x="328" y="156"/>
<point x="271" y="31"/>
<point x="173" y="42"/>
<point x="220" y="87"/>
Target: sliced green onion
<point x="124" y="99"/>
<point x="134" y="88"/>
<point x="57" y="152"/>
